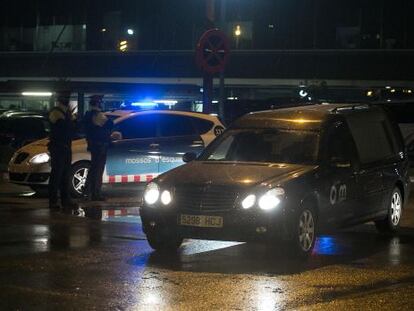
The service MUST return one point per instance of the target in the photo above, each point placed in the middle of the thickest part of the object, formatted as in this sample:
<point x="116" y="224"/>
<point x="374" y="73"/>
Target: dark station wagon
<point x="285" y="175"/>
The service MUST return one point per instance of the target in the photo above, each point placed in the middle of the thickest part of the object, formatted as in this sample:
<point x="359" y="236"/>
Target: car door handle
<point x="154" y="145"/>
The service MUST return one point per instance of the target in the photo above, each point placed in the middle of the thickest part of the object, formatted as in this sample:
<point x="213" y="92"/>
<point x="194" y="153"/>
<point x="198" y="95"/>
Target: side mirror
<point x="116" y="135"/>
<point x="189" y="156"/>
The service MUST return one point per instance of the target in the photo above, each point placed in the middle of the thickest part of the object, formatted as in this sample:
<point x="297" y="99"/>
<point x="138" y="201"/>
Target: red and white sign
<point x="127" y="178"/>
<point x="213" y="51"/>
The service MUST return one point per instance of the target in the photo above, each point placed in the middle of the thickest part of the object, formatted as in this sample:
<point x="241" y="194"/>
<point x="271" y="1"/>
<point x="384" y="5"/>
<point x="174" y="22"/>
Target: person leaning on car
<point x="60" y="148"/>
<point x="98" y="136"/>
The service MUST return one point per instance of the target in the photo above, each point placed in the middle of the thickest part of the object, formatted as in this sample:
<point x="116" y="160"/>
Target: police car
<point x="284" y="174"/>
<point x="146" y="144"/>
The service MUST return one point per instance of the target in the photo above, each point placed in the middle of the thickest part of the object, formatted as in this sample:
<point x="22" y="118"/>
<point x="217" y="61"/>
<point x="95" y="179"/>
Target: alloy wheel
<point x="306" y="230"/>
<point x="79" y="179"/>
<point x="396" y="208"/>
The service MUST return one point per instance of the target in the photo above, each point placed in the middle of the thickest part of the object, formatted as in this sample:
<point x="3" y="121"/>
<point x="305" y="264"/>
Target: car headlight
<point x="40" y="158"/>
<point x="166" y="197"/>
<point x="151" y="193"/>
<point x="271" y="199"/>
<point x="248" y="201"/>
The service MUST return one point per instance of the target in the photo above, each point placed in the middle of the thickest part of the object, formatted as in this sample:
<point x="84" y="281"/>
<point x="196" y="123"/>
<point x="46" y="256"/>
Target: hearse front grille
<point x="206" y="198"/>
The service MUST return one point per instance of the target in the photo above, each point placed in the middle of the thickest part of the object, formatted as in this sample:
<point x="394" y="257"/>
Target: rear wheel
<point x="391" y="223"/>
<point x="77" y="179"/>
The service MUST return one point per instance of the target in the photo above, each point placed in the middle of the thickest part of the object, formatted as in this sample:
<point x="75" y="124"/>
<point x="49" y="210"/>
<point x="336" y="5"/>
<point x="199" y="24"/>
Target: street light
<point x="237" y="33"/>
<point x="123" y="45"/>
<point x="130" y="31"/>
<point x="37" y="94"/>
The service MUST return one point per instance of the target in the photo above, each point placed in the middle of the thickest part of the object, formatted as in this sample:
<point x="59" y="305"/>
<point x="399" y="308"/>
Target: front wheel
<point x="77" y="179"/>
<point x="304" y="235"/>
<point x="41" y="191"/>
<point x="160" y="241"/>
<point x="391" y="223"/>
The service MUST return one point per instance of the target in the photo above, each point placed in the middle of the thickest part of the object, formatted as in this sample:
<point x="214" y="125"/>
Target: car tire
<point x="391" y="223"/>
<point x="41" y="191"/>
<point x="163" y="242"/>
<point x="304" y="233"/>
<point x="77" y="179"/>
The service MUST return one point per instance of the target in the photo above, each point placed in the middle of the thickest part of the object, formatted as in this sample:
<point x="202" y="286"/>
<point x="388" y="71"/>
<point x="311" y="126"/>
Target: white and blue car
<point x="147" y="144"/>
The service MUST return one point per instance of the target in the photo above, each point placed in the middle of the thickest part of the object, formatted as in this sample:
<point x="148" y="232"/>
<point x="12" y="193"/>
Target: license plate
<point x="201" y="221"/>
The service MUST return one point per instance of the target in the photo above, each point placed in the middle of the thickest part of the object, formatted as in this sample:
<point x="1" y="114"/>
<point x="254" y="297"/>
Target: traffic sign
<point x="213" y="51"/>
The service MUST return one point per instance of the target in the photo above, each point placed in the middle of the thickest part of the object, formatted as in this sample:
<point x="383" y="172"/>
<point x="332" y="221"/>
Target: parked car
<point x="18" y="129"/>
<point x="284" y="174"/>
<point x="148" y="143"/>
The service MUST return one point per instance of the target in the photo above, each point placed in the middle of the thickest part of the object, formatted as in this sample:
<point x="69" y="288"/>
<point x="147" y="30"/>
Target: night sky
<point x="174" y="24"/>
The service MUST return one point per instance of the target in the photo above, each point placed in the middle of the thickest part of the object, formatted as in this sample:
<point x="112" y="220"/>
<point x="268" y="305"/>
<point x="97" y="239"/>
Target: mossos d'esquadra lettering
<point x="138" y="161"/>
<point x="153" y="160"/>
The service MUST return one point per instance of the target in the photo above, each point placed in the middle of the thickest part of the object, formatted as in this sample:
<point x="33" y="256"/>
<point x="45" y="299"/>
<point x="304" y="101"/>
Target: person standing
<point x="98" y="136"/>
<point x="60" y="148"/>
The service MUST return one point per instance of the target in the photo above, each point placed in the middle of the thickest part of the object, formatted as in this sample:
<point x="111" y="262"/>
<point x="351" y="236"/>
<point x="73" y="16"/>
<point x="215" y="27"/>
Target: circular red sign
<point x="213" y="51"/>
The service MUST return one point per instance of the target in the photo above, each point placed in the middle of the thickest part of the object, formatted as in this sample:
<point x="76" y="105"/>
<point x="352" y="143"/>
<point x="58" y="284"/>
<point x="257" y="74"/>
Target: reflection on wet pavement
<point x="49" y="260"/>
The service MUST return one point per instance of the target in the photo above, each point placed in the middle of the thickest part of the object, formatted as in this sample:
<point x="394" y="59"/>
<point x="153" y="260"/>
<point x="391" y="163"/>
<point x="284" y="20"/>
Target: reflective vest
<point x="61" y="128"/>
<point x="96" y="134"/>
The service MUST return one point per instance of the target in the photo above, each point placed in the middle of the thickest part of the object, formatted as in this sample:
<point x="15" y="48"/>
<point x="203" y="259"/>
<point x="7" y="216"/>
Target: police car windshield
<point x="264" y="145"/>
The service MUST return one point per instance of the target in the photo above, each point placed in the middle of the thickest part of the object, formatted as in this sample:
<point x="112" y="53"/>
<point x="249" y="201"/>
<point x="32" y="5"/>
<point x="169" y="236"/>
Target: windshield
<point x="263" y="145"/>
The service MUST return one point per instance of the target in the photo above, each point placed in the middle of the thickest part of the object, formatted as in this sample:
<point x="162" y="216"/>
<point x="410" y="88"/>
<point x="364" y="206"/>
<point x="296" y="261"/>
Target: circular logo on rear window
<point x="218" y="130"/>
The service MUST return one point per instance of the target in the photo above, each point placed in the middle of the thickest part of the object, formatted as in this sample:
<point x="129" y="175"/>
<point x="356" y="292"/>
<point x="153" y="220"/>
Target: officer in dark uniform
<point x="60" y="148"/>
<point x="98" y="135"/>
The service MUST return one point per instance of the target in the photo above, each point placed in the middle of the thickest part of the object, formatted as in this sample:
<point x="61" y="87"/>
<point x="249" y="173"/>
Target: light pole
<point x="208" y="78"/>
<point x="222" y="87"/>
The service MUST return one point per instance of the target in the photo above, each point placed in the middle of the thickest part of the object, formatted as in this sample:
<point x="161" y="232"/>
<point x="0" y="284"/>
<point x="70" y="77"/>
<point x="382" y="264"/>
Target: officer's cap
<point x="63" y="96"/>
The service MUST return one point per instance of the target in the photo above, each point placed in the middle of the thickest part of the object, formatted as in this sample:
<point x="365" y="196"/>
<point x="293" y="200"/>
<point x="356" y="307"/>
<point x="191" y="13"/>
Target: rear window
<point x="176" y="125"/>
<point x="202" y="126"/>
<point x="142" y="126"/>
<point x="374" y="139"/>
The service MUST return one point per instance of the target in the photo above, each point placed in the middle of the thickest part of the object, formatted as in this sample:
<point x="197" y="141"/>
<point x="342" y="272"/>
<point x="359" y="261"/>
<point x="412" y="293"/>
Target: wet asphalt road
<point x="49" y="260"/>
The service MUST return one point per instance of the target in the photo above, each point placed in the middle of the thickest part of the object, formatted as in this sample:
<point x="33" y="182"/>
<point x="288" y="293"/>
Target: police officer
<point x="98" y="135"/>
<point x="60" y="148"/>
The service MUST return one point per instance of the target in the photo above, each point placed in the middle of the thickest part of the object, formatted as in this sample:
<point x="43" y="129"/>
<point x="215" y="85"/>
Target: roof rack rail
<point x="351" y="107"/>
